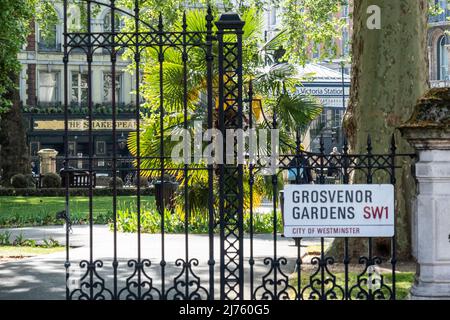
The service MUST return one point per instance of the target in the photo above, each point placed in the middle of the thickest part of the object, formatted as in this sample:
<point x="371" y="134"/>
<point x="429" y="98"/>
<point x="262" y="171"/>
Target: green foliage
<point x="19" y="181"/>
<point x="305" y="22"/>
<point x="434" y="8"/>
<point x="15" y="21"/>
<point x="51" y="180"/>
<point x="174" y="221"/>
<point x="262" y="222"/>
<point x="74" y="192"/>
<point x="31" y="181"/>
<point x="36" y="211"/>
<point x="310" y="22"/>
<point x="5" y="238"/>
<point x="275" y="85"/>
<point x="119" y="183"/>
<point x="403" y="283"/>
<point x="15" y="18"/>
<point x="50" y="243"/>
<point x="21" y="241"/>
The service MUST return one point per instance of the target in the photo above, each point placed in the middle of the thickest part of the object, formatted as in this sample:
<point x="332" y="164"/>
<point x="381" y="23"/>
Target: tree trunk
<point x="14" y="151"/>
<point x="389" y="74"/>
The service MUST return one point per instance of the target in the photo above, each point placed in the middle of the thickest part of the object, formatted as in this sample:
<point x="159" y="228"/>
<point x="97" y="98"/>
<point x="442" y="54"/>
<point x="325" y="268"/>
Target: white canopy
<point x="313" y="72"/>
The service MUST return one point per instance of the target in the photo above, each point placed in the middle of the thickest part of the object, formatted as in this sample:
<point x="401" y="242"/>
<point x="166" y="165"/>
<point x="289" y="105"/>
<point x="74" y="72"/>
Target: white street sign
<point x="359" y="210"/>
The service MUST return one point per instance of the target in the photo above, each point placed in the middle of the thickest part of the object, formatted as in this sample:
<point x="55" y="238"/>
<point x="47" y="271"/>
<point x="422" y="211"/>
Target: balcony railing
<point x="78" y="109"/>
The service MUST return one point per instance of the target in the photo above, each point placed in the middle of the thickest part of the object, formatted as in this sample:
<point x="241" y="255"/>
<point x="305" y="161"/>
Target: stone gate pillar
<point x="428" y="131"/>
<point x="47" y="160"/>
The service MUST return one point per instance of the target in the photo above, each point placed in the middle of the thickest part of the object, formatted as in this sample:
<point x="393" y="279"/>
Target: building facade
<point x="42" y="93"/>
<point x="438" y="44"/>
<point x="329" y="81"/>
<point x="332" y="89"/>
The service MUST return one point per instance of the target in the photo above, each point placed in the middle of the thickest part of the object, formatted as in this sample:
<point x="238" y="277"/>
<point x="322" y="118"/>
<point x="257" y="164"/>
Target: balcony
<point x="78" y="109"/>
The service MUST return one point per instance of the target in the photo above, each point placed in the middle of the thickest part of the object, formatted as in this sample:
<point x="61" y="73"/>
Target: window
<point x="100" y="148"/>
<point x="79" y="87"/>
<point x="34" y="148"/>
<point x="48" y="40"/>
<point x="323" y="119"/>
<point x="345" y="12"/>
<point x="345" y="39"/>
<point x="273" y="17"/>
<point x="337" y="117"/>
<point x="442" y="59"/>
<point x="118" y="22"/>
<point x="48" y="86"/>
<point x="72" y="148"/>
<point x="108" y="88"/>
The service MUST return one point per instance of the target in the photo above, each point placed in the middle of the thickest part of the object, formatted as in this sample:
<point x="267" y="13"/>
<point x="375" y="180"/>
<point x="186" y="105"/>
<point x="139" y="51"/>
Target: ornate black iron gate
<point x="237" y="275"/>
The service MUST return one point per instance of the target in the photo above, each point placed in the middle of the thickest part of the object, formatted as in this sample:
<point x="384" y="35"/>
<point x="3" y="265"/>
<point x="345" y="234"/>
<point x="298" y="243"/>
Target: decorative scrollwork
<point x="91" y="284"/>
<point x="370" y="283"/>
<point x="322" y="283"/>
<point x="275" y="283"/>
<point x="186" y="286"/>
<point x="139" y="286"/>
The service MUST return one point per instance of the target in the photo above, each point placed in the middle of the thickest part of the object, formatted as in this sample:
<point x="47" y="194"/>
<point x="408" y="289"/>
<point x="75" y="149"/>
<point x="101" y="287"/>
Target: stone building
<point x="42" y="92"/>
<point x="438" y="46"/>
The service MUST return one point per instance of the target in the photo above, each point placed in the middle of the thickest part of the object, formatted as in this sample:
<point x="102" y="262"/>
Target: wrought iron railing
<point x="225" y="269"/>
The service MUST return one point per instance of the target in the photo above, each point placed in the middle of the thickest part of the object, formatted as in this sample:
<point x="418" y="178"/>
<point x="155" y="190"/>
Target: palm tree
<point x="274" y="89"/>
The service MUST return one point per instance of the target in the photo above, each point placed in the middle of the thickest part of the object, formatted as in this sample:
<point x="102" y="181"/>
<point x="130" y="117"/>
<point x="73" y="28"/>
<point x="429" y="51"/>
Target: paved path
<point x="43" y="277"/>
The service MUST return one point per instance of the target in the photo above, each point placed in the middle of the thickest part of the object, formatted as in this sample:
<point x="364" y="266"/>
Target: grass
<point x="404" y="281"/>
<point x="19" y="251"/>
<point x="37" y="211"/>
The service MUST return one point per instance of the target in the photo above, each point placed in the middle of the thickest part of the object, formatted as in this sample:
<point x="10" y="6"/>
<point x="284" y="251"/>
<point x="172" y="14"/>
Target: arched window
<point x="48" y="38"/>
<point x="442" y="59"/>
<point x="49" y="32"/>
<point x="118" y="21"/>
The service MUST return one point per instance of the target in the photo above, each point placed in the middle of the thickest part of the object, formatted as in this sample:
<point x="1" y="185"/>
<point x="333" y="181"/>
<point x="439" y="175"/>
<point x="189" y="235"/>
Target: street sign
<point x="359" y="210"/>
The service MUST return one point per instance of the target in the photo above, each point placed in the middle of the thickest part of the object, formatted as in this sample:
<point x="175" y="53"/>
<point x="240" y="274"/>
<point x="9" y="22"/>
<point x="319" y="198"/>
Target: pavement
<point x="43" y="277"/>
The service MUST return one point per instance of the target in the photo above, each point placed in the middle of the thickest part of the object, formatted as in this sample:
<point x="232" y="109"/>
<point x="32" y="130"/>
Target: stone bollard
<point x="47" y="160"/>
<point x="428" y="131"/>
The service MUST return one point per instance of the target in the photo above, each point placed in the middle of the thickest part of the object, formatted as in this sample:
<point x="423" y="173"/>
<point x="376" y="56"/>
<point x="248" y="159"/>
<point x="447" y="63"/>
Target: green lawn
<point x="404" y="281"/>
<point x="35" y="211"/>
<point x="18" y="251"/>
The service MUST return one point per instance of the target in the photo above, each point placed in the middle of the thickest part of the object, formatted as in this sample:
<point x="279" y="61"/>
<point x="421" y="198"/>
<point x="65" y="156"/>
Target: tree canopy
<point x="15" y="16"/>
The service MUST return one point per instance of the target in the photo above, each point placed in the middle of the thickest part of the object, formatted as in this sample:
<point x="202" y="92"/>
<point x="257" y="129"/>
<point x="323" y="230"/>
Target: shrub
<point x="74" y="192"/>
<point x="50" y="243"/>
<point x="143" y="182"/>
<point x="119" y="183"/>
<point x="174" y="221"/>
<point x="5" y="238"/>
<point x="19" y="181"/>
<point x="51" y="180"/>
<point x="31" y="181"/>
